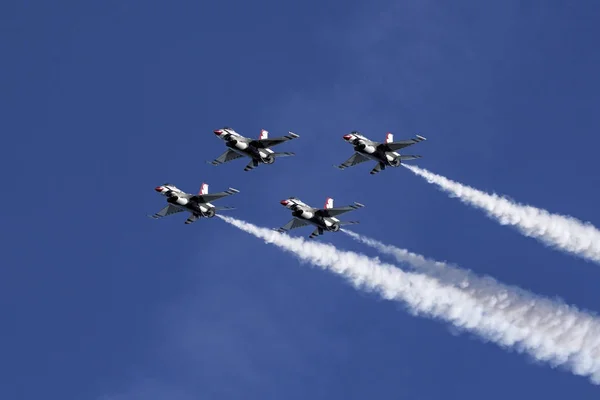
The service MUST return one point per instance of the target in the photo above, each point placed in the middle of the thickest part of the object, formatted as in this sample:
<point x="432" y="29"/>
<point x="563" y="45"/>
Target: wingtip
<point x="234" y="190"/>
<point x="358" y="204"/>
<point x="421" y="137"/>
<point x="294" y="135"/>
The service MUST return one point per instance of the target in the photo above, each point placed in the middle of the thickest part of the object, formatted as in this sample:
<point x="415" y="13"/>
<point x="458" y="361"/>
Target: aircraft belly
<point x="179" y="206"/>
<point x="195" y="207"/>
<point x="373" y="156"/>
<point x="249" y="152"/>
<point x="190" y="207"/>
<point x="245" y="153"/>
<point x="316" y="222"/>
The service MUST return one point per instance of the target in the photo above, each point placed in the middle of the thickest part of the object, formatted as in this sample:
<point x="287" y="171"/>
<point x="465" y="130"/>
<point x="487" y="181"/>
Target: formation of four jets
<point x="259" y="151"/>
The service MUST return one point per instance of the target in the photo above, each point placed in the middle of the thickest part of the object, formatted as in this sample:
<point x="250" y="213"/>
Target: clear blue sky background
<point x="101" y="101"/>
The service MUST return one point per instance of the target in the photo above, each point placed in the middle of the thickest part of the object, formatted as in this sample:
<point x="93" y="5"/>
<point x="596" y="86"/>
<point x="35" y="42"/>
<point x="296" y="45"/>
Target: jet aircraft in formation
<point x="259" y="151"/>
<point x="198" y="205"/>
<point x="324" y="219"/>
<point x="385" y="154"/>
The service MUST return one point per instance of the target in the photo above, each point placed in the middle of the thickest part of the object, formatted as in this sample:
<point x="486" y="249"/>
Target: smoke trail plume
<point x="562" y="232"/>
<point x="555" y="333"/>
<point x="486" y="290"/>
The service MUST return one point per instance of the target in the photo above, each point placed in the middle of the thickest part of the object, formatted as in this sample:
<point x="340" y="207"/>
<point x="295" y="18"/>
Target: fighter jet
<point x="197" y="204"/>
<point x="385" y="154"/>
<point x="323" y="218"/>
<point x="257" y="149"/>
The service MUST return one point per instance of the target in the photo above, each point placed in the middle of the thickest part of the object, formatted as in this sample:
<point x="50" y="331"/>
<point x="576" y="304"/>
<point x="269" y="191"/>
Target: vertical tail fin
<point x="264" y="134"/>
<point x="329" y="203"/>
<point x="204" y="189"/>
<point x="389" y="138"/>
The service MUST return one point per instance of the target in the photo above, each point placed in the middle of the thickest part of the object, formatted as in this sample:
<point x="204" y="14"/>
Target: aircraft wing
<point x="226" y="157"/>
<point x="293" y="224"/>
<point x="393" y="146"/>
<point x="355" y="159"/>
<point x="207" y="198"/>
<point x="332" y="212"/>
<point x="266" y="143"/>
<point x="168" y="210"/>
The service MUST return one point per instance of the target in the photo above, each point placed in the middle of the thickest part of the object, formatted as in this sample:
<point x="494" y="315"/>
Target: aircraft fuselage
<point x="183" y="201"/>
<point x="389" y="158"/>
<point x="242" y="146"/>
<point x="326" y="223"/>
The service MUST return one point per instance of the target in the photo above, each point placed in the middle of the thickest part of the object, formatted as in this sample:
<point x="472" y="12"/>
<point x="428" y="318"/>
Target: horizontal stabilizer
<point x="408" y="158"/>
<point x="284" y="154"/>
<point x="191" y="219"/>
<point x="251" y="165"/>
<point x="316" y="232"/>
<point x="224" y="208"/>
<point x="342" y="223"/>
<point x="378" y="168"/>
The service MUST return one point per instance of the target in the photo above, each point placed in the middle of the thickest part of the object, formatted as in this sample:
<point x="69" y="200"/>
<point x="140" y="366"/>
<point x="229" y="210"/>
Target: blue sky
<point x="102" y="101"/>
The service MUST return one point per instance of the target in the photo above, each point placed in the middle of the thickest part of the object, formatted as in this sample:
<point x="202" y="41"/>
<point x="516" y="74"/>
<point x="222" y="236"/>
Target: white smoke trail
<point x="486" y="290"/>
<point x="557" y="334"/>
<point x="559" y="231"/>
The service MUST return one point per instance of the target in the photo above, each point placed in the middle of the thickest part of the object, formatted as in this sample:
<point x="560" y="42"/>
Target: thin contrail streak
<point x="550" y="332"/>
<point x="559" y="231"/>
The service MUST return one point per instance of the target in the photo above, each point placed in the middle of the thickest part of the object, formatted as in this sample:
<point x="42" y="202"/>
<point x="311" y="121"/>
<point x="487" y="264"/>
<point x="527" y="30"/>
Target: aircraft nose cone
<point x="284" y="202"/>
<point x="347" y="137"/>
<point x="218" y="132"/>
<point x="158" y="189"/>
